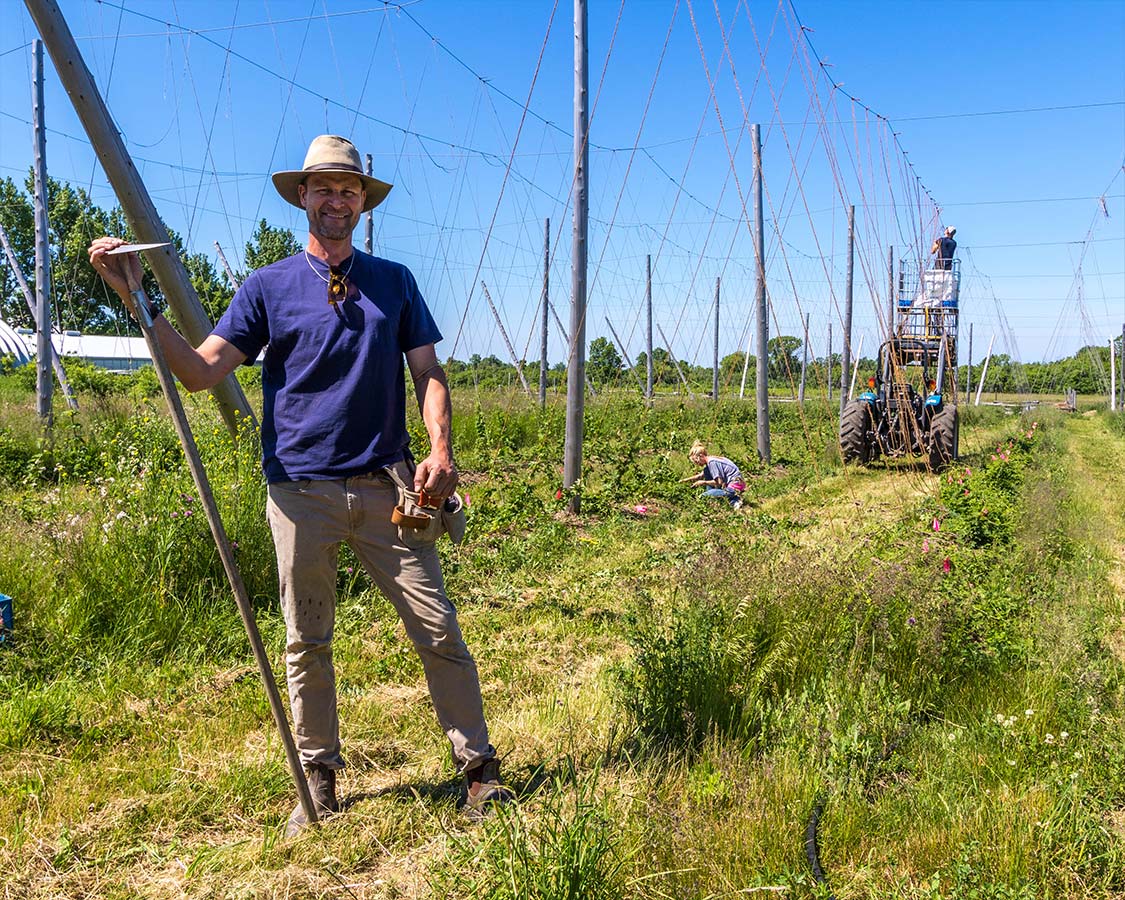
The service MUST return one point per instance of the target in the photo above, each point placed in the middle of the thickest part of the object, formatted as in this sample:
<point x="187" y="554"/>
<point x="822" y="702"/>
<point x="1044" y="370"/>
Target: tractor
<point x="910" y="405"/>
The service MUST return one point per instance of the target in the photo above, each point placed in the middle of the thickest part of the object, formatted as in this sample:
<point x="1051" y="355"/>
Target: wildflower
<point x="937" y="524"/>
<point x="349" y="570"/>
<point x="466" y="499"/>
<point x="946" y="565"/>
<point x="558" y="494"/>
<point x="1029" y="712"/>
<point x="1063" y="735"/>
<point x="1050" y="738"/>
<point x="926" y="545"/>
<point x="1073" y="776"/>
<point x="174" y="514"/>
<point x="912" y="621"/>
<point x="999" y="718"/>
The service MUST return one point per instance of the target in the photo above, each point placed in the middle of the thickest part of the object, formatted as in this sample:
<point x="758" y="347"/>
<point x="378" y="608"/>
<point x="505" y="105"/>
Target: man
<point x="335" y="324"/>
<point x="944" y="247"/>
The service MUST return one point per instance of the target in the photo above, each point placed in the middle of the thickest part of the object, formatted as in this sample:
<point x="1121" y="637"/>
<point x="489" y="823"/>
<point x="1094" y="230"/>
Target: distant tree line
<point x="82" y="302"/>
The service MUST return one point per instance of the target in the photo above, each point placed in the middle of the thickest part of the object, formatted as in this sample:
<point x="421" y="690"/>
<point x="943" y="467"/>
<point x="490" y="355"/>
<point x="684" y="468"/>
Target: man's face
<point x="333" y="203"/>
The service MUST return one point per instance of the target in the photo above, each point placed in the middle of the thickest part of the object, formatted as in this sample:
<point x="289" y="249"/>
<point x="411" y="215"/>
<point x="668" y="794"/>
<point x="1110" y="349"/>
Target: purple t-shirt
<point x="722" y="469"/>
<point x="334" y="393"/>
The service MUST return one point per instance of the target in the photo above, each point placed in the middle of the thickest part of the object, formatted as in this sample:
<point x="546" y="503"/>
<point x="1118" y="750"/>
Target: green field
<point x="931" y="664"/>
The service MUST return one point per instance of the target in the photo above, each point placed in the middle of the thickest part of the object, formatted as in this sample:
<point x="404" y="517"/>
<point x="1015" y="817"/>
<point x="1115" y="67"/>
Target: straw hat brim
<point x="286" y="184"/>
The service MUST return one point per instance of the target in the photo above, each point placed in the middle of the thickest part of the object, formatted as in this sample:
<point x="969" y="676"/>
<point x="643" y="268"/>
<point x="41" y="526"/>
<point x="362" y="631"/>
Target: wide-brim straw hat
<point x="335" y="154"/>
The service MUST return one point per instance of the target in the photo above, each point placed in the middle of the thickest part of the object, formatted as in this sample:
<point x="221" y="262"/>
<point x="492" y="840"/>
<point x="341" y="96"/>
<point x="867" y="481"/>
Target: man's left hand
<point x="436" y="475"/>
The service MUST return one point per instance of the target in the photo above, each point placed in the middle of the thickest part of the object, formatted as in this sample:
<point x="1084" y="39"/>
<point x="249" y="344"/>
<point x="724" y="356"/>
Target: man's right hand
<point x="123" y="272"/>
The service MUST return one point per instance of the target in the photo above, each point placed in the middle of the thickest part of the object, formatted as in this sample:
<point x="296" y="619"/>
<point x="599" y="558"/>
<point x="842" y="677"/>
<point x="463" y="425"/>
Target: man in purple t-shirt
<point x="335" y="324"/>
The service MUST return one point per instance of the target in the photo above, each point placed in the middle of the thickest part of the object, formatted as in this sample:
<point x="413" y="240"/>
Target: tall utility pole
<point x="846" y="358"/>
<point x="44" y="384"/>
<point x="715" y="364"/>
<point x="369" y="221"/>
<point x="29" y="299"/>
<point x="648" y="330"/>
<point x="131" y="194"/>
<point x="1121" y="379"/>
<point x="890" y="292"/>
<point x="763" y="410"/>
<point x="804" y="362"/>
<point x="543" y="324"/>
<point x="576" y="368"/>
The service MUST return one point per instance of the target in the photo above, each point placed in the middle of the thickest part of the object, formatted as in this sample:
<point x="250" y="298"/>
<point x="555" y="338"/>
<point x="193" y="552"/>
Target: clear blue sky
<point x="1012" y="116"/>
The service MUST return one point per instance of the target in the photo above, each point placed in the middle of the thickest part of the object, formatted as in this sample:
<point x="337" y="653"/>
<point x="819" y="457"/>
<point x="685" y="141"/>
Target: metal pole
<point x="1112" y="378"/>
<point x="846" y="358"/>
<point x="543" y="369"/>
<point x="746" y="360"/>
<point x="855" y="368"/>
<point x="715" y="363"/>
<point x="1121" y="376"/>
<point x="830" y="361"/>
<point x="44" y="384"/>
<point x="763" y="410"/>
<point x="569" y="351"/>
<point x="226" y="554"/>
<point x="648" y="330"/>
<point x="235" y="283"/>
<point x="675" y="362"/>
<point x="576" y="369"/>
<point x="804" y="363"/>
<point x="890" y="292"/>
<point x="56" y="363"/>
<point x="131" y="194"/>
<point x="507" y="343"/>
<point x="969" y="370"/>
<point x="984" y="371"/>
<point x="625" y="355"/>
<point x="369" y="221"/>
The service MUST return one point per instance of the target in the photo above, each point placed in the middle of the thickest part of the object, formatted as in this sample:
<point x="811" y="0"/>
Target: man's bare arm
<point x="197" y="368"/>
<point x="437" y="473"/>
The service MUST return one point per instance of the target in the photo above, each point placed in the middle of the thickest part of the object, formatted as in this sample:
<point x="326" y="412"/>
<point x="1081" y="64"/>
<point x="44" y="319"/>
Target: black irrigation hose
<point x="812" y="830"/>
<point x="812" y="851"/>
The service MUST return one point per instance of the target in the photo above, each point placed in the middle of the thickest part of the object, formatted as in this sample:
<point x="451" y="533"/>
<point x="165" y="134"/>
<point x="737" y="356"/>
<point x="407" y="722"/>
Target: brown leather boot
<point x="322" y="785"/>
<point x="484" y="789"/>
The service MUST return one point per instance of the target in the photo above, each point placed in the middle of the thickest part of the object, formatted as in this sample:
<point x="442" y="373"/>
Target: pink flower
<point x="558" y="494"/>
<point x="926" y="545"/>
<point x="937" y="524"/>
<point x="466" y="499"/>
<point x="946" y="565"/>
<point x="640" y="508"/>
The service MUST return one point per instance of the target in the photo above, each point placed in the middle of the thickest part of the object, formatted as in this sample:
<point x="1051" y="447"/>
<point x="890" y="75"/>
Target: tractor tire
<point x="854" y="427"/>
<point x="943" y="438"/>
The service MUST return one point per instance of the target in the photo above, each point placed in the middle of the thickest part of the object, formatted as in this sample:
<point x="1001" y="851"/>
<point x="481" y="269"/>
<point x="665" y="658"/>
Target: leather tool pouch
<point x="421" y="519"/>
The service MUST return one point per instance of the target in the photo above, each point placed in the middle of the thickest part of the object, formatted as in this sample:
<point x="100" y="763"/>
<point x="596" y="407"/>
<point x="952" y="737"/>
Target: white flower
<point x="1029" y="712"/>
<point x="1050" y="738"/>
<point x="1063" y="735"/>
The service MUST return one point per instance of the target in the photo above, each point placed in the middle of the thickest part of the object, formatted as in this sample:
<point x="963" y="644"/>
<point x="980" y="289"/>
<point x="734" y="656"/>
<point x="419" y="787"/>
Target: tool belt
<point x="422" y="518"/>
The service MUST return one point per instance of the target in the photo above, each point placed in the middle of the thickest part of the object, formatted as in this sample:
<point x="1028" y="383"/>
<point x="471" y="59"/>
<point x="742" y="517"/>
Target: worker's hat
<point x="950" y="231"/>
<point x="331" y="153"/>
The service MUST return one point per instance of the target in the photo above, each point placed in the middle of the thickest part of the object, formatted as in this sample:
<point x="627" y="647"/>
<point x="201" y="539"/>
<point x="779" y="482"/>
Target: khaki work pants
<point x="309" y="520"/>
